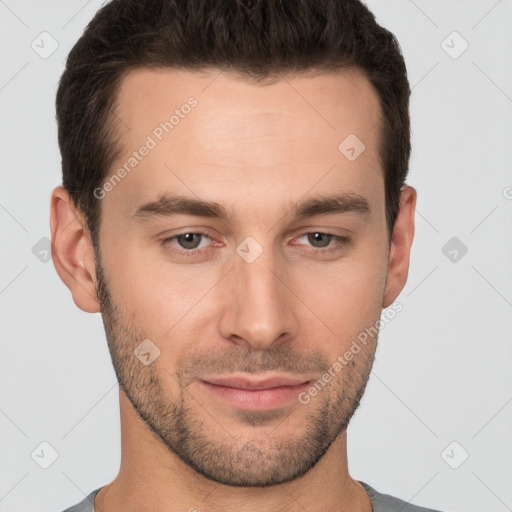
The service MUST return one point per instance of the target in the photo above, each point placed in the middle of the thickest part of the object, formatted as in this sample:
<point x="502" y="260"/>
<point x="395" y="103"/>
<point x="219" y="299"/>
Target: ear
<point x="401" y="242"/>
<point x="72" y="251"/>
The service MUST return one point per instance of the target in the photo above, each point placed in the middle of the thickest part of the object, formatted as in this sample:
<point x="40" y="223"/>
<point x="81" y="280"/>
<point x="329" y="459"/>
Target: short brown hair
<point x="259" y="39"/>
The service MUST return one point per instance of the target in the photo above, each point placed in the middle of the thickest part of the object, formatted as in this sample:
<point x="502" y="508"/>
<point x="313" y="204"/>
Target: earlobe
<point x="401" y="243"/>
<point x="72" y="251"/>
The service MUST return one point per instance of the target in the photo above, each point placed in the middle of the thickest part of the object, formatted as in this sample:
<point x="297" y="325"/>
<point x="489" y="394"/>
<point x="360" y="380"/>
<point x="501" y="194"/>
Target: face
<point x="241" y="255"/>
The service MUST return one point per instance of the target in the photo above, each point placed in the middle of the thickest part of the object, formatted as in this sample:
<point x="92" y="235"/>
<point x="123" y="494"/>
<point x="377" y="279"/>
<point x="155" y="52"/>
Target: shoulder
<point x="386" y="503"/>
<point x="86" y="505"/>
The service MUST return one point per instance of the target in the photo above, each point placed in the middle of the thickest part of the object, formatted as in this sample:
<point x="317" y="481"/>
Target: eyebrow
<point x="168" y="205"/>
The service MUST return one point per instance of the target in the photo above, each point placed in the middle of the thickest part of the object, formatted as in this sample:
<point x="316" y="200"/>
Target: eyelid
<point x="340" y="241"/>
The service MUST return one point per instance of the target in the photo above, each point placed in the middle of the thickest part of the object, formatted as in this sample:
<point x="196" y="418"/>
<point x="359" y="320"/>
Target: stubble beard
<point x="221" y="454"/>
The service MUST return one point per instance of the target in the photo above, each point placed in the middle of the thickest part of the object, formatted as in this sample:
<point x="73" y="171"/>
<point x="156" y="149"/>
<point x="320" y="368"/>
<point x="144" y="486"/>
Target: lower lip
<point x="256" y="399"/>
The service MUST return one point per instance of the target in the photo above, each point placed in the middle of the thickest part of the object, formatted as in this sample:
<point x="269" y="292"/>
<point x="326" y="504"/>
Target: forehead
<point x="211" y="127"/>
<point x="327" y="101"/>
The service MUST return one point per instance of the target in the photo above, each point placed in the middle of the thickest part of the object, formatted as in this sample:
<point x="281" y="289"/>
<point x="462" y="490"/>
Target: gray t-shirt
<point x="380" y="503"/>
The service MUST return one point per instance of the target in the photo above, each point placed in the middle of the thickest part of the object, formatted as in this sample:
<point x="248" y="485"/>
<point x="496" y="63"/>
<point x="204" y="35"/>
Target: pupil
<point x="316" y="237"/>
<point x="188" y="241"/>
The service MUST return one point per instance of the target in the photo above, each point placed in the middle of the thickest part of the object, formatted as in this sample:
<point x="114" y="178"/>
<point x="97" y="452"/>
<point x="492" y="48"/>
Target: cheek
<point x="347" y="298"/>
<point x="172" y="302"/>
<point x="165" y="302"/>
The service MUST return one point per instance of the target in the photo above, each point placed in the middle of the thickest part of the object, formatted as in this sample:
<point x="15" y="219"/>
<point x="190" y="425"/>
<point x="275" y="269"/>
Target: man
<point x="234" y="204"/>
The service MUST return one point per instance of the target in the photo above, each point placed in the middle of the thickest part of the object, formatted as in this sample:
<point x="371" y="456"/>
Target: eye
<point x="321" y="241"/>
<point x="186" y="243"/>
<point x="190" y="240"/>
<point x="193" y="244"/>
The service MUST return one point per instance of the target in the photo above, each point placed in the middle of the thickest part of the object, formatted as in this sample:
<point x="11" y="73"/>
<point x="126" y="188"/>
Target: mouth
<point x="255" y="393"/>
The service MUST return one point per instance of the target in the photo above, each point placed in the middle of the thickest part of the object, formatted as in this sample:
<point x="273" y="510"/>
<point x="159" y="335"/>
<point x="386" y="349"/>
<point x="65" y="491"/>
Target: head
<point x="234" y="203"/>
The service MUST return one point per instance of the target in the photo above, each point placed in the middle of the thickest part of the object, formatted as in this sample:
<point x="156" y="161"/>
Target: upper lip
<point x="263" y="382"/>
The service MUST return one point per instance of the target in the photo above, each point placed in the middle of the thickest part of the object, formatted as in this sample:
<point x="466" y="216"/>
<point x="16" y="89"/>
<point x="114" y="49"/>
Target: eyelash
<point x="340" y="243"/>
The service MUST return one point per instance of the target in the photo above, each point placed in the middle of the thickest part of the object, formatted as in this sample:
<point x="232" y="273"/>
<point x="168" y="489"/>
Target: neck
<point x="151" y="477"/>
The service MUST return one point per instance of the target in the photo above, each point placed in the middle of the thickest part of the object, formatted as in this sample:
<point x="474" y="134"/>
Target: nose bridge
<point x="259" y="311"/>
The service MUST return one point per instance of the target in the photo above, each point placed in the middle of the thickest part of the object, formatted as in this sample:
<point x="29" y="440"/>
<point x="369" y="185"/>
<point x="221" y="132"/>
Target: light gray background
<point x="443" y="366"/>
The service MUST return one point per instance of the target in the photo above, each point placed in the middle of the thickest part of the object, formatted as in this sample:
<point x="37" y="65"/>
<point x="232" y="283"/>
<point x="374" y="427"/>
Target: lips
<point x="255" y="393"/>
<point x="255" y="383"/>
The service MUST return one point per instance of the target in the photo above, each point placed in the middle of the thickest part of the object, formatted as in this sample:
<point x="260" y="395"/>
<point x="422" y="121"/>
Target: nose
<point x="258" y="308"/>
